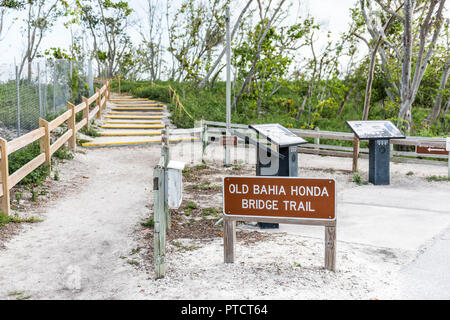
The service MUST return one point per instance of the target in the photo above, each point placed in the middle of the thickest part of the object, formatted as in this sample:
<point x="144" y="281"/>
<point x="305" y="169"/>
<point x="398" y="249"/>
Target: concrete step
<point x="145" y="100"/>
<point x="132" y="116"/>
<point x="131" y="122"/>
<point x="130" y="141"/>
<point x="138" y="105"/>
<point x="138" y="109"/>
<point x="124" y="132"/>
<point x="134" y="113"/>
<point x="130" y="126"/>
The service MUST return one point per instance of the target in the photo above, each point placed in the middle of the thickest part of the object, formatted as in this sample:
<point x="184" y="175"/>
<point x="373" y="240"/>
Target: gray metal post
<point x="228" y="93"/>
<point x="379" y="159"/>
<point x="90" y="78"/>
<point x="18" y="100"/>
<point x="41" y="111"/>
<point x="54" y="87"/>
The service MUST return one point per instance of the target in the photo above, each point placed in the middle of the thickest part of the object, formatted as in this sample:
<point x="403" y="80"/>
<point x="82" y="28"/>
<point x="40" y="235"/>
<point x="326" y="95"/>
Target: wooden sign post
<point x="307" y="201"/>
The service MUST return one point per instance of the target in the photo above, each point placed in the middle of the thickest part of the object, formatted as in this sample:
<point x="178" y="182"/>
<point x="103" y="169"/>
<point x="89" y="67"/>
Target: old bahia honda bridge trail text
<point x="278" y="190"/>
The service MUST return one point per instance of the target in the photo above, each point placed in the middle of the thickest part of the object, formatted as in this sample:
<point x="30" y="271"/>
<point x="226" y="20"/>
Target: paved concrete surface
<point x="428" y="276"/>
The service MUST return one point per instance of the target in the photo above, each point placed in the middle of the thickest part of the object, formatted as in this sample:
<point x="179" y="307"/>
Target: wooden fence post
<point x="86" y="111"/>
<point x="108" y="96"/>
<point x="317" y="139"/>
<point x="330" y="248"/>
<point x="159" y="222"/>
<point x="71" y="125"/>
<point x="355" y="153"/>
<point x="99" y="100"/>
<point x="4" y="170"/>
<point x="44" y="142"/>
<point x="229" y="240"/>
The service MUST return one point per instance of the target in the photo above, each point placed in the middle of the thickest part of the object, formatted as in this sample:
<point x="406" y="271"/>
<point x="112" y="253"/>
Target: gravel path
<point x="74" y="253"/>
<point x="87" y="246"/>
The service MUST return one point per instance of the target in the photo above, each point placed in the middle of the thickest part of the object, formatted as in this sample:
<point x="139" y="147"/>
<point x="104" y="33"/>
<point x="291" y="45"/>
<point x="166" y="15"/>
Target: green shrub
<point x="21" y="157"/>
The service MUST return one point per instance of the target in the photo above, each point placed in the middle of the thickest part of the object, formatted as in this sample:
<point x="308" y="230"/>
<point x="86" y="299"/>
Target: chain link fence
<point x="41" y="89"/>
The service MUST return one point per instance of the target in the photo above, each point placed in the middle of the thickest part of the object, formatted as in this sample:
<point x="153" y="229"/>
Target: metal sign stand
<point x="379" y="134"/>
<point x="287" y="166"/>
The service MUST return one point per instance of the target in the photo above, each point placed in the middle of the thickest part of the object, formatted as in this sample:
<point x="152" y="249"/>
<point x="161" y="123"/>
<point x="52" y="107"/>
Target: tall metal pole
<point x="18" y="100"/>
<point x="41" y="110"/>
<point x="228" y="93"/>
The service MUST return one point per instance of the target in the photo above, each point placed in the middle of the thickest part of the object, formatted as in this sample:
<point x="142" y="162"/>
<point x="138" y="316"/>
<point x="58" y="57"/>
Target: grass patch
<point x="4" y="219"/>
<point x="358" y="180"/>
<point x="91" y="132"/>
<point x="210" y="211"/>
<point x="133" y="262"/>
<point x="150" y="223"/>
<point x="184" y="248"/>
<point x="81" y="141"/>
<point x="189" y="207"/>
<point x="437" y="178"/>
<point x="63" y="153"/>
<point x="56" y="175"/>
<point x="134" y="251"/>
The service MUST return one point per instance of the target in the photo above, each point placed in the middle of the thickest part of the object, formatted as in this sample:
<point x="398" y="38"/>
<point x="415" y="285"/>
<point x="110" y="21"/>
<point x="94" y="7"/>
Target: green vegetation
<point x="63" y="153"/>
<point x="4" y="219"/>
<point x="149" y="224"/>
<point x="210" y="211"/>
<point x="91" y="132"/>
<point x="133" y="262"/>
<point x="21" y="157"/>
<point x="189" y="207"/>
<point x="282" y="108"/>
<point x="358" y="180"/>
<point x="135" y="251"/>
<point x="181" y="247"/>
<point x="437" y="178"/>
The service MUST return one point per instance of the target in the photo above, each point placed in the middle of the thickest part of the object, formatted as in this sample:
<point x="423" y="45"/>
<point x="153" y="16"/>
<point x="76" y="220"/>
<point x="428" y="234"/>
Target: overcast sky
<point x="332" y="14"/>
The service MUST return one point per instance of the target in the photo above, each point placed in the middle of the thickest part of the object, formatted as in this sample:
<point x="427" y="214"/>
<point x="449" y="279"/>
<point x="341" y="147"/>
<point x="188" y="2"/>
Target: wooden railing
<point x="175" y="99"/>
<point x="218" y="128"/>
<point x="47" y="148"/>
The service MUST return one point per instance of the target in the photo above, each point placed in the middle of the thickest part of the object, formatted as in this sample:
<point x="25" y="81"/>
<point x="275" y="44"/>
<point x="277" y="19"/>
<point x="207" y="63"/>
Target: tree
<point x="222" y="53"/>
<point x="40" y="18"/>
<point x="195" y="33"/>
<point x="266" y="24"/>
<point x="108" y="24"/>
<point x="415" y="31"/>
<point x="5" y="6"/>
<point x="378" y="33"/>
<point x="150" y="50"/>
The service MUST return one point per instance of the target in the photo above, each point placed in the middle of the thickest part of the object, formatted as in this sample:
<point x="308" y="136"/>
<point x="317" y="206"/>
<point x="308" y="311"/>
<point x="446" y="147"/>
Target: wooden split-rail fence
<point x="90" y="107"/>
<point x="218" y="129"/>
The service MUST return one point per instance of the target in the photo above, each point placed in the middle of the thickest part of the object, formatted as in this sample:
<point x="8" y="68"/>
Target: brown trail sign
<point x="309" y="201"/>
<point x="431" y="150"/>
<point x="280" y="197"/>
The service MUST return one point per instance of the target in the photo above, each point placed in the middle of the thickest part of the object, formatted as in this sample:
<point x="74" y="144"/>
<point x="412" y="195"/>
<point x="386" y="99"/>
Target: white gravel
<point x="82" y="249"/>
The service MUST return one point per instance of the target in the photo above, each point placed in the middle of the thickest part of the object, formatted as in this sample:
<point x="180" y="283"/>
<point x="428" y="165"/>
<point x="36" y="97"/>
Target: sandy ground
<point x="88" y="245"/>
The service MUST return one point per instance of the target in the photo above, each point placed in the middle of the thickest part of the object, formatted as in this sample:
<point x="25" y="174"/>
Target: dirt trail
<point x="75" y="252"/>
